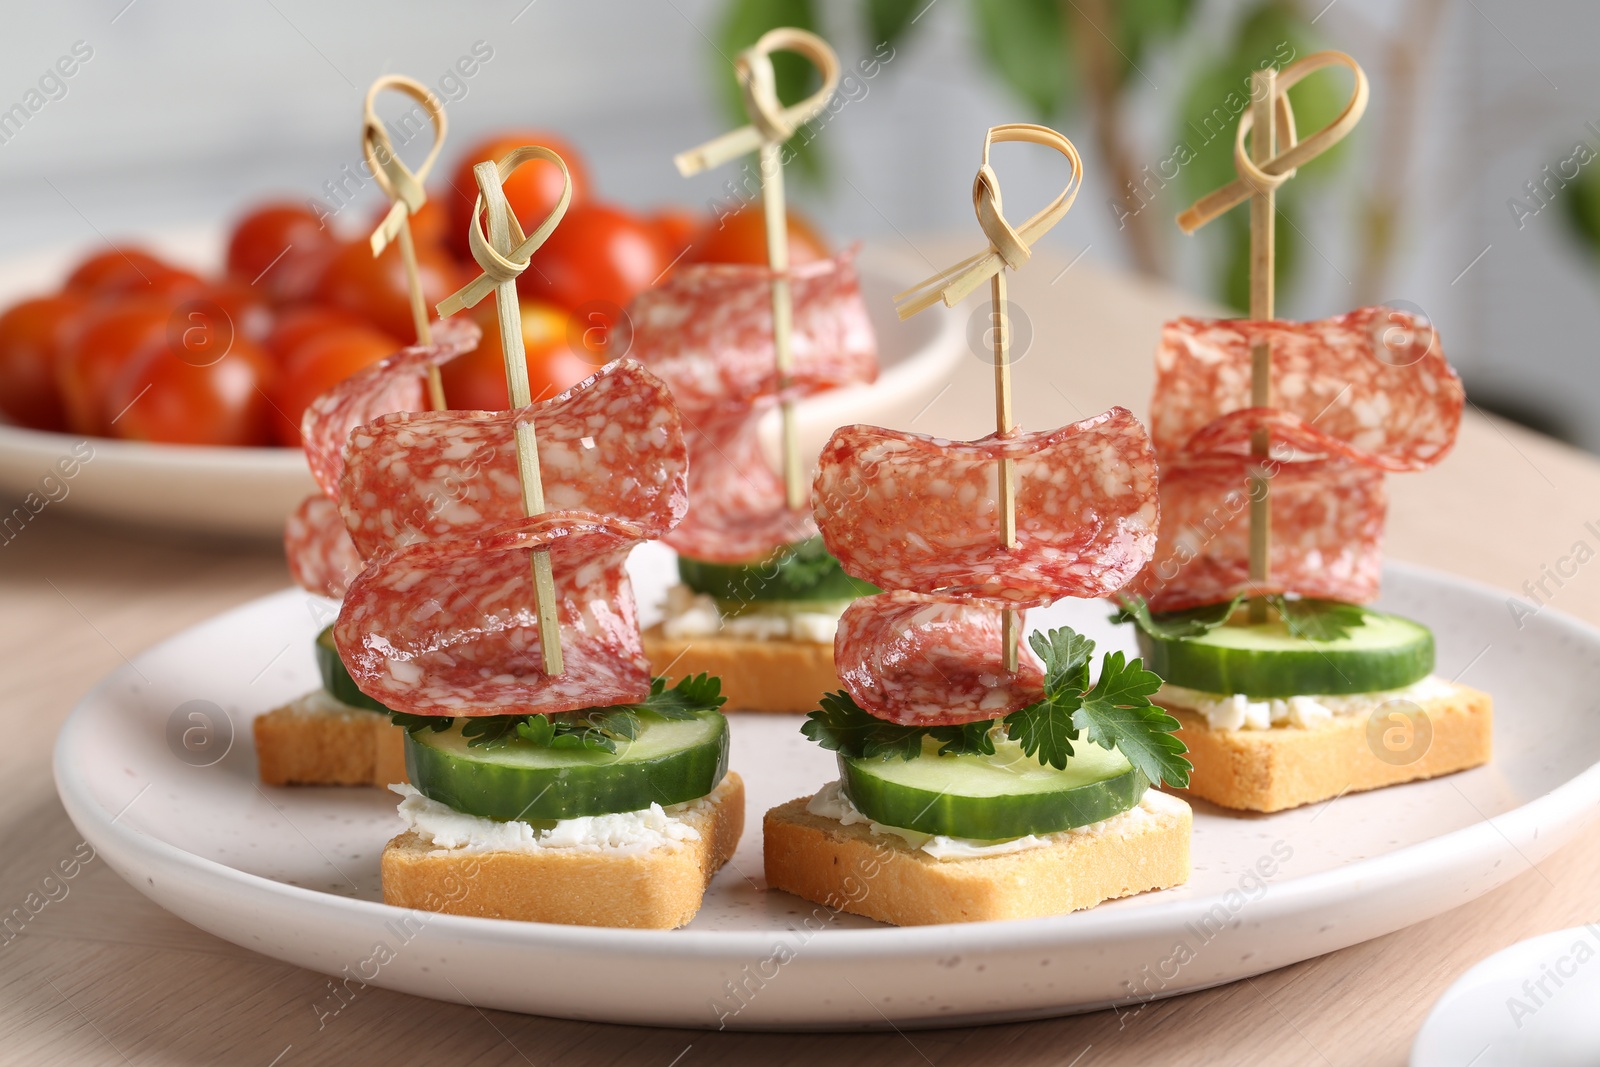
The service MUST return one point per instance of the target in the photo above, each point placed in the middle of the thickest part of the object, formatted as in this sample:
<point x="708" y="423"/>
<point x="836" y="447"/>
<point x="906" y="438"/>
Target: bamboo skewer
<point x="1266" y="166"/>
<point x="771" y="125"/>
<point x="1009" y="247"/>
<point x="407" y="195"/>
<point x="503" y="254"/>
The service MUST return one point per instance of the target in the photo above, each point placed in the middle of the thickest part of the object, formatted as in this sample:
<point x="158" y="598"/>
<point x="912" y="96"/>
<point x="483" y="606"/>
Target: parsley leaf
<point x="415" y="724"/>
<point x="840" y="725"/>
<point x="1117" y="713"/>
<point x="1319" y="620"/>
<point x="1174" y="625"/>
<point x="692" y="694"/>
<point x="968" y="739"/>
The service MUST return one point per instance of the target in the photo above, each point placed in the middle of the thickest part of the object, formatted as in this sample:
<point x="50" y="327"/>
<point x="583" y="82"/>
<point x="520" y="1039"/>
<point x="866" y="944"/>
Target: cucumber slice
<point x="671" y="761"/>
<point x="802" y="571"/>
<point x="992" y="798"/>
<point x="1263" y="660"/>
<point x="336" y="680"/>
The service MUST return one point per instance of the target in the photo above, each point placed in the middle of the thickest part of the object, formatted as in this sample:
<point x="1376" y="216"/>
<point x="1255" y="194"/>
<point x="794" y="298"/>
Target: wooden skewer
<point x="407" y="195"/>
<point x="1009" y="247"/>
<point x="1266" y="166"/>
<point x="503" y="254"/>
<point x="772" y="124"/>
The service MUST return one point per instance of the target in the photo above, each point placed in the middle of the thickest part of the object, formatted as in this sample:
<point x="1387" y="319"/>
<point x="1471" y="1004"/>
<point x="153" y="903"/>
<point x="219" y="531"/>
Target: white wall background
<point x="189" y="109"/>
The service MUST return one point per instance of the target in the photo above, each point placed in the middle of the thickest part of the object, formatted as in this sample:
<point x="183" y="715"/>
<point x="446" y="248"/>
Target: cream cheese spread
<point x="1238" y="712"/>
<point x="830" y="802"/>
<point x="633" y="831"/>
<point x="691" y="614"/>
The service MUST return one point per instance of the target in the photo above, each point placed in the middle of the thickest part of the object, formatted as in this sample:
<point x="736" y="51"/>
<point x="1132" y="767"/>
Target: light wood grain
<point x="105" y="977"/>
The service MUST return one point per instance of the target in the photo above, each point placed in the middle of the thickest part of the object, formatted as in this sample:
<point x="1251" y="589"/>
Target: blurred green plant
<point x="1083" y="60"/>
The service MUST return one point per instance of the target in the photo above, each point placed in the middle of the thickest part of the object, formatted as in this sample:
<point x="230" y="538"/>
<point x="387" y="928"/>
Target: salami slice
<point x="905" y="511"/>
<point x="1375" y="379"/>
<point x="391" y="384"/>
<point x="708" y="333"/>
<point x="612" y="445"/>
<point x="322" y="558"/>
<point x="449" y="627"/>
<point x="923" y="661"/>
<point x="1327" y="532"/>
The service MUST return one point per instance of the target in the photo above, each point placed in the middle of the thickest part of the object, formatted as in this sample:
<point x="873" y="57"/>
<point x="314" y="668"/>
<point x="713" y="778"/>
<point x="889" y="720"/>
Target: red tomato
<point x="675" y="228"/>
<point x="246" y="307"/>
<point x="477" y="380"/>
<point x="120" y="270"/>
<point x="741" y="237"/>
<point x="110" y="338"/>
<point x="33" y="336"/>
<point x="280" y="247"/>
<point x="170" y="394"/>
<point x="318" y="363"/>
<point x="375" y="288"/>
<point x="533" y="189"/>
<point x="297" y="324"/>
<point x="598" y="255"/>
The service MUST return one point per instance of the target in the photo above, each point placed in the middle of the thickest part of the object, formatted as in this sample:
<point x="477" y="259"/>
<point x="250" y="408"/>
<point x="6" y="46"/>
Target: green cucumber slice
<point x="670" y="762"/>
<point x="801" y="571"/>
<point x="336" y="680"/>
<point x="992" y="798"/>
<point x="1263" y="660"/>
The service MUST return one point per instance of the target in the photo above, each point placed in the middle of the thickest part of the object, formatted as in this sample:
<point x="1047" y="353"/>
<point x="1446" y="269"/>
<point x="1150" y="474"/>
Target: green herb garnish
<point x="1115" y="712"/>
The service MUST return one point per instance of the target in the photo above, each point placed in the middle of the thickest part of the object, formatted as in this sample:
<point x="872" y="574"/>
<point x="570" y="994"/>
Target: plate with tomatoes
<point x="161" y="381"/>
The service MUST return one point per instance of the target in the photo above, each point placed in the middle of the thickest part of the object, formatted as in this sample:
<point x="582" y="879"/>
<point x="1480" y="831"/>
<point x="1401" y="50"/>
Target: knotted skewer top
<point x="500" y="267"/>
<point x="770" y="121"/>
<point x="1264" y="177"/>
<point x="1009" y="246"/>
<point x="402" y="185"/>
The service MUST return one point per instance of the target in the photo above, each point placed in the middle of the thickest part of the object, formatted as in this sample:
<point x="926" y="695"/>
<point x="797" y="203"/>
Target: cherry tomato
<point x="295" y="325"/>
<point x="280" y="247"/>
<point x="598" y="255"/>
<point x="170" y="394"/>
<point x="319" y="362"/>
<point x="120" y="270"/>
<point x="741" y="237"/>
<point x="375" y="288"/>
<point x="248" y="312"/>
<point x="111" y="337"/>
<point x="33" y="336"/>
<point x="533" y="189"/>
<point x="675" y="228"/>
<point x="477" y="379"/>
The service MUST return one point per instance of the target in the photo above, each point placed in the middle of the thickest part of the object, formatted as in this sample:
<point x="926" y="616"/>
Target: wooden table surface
<point x="103" y="976"/>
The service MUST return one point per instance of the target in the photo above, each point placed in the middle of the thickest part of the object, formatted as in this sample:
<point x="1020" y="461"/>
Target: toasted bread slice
<point x="882" y="877"/>
<point x="1287" y="766"/>
<point x="659" y="889"/>
<point x="316" y="740"/>
<point x="757" y="675"/>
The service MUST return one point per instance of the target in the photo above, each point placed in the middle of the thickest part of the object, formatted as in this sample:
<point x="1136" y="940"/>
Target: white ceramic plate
<point x="293" y="873"/>
<point x="1532" y="1003"/>
<point x="250" y="491"/>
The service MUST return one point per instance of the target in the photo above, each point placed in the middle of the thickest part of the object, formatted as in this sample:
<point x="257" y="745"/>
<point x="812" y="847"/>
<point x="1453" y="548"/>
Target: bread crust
<point x="773" y="676"/>
<point x="659" y="890"/>
<point x="326" y="746"/>
<point x="1286" y="766"/>
<point x="882" y="877"/>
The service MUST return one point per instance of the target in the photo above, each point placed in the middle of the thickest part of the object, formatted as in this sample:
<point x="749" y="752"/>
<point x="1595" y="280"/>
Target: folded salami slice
<point x="708" y="334"/>
<point x="392" y="384"/>
<point x="1327" y="532"/>
<point x="923" y="661"/>
<point x="322" y="558"/>
<point x="1374" y="380"/>
<point x="449" y="627"/>
<point x="612" y="445"/>
<point x="905" y="511"/>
